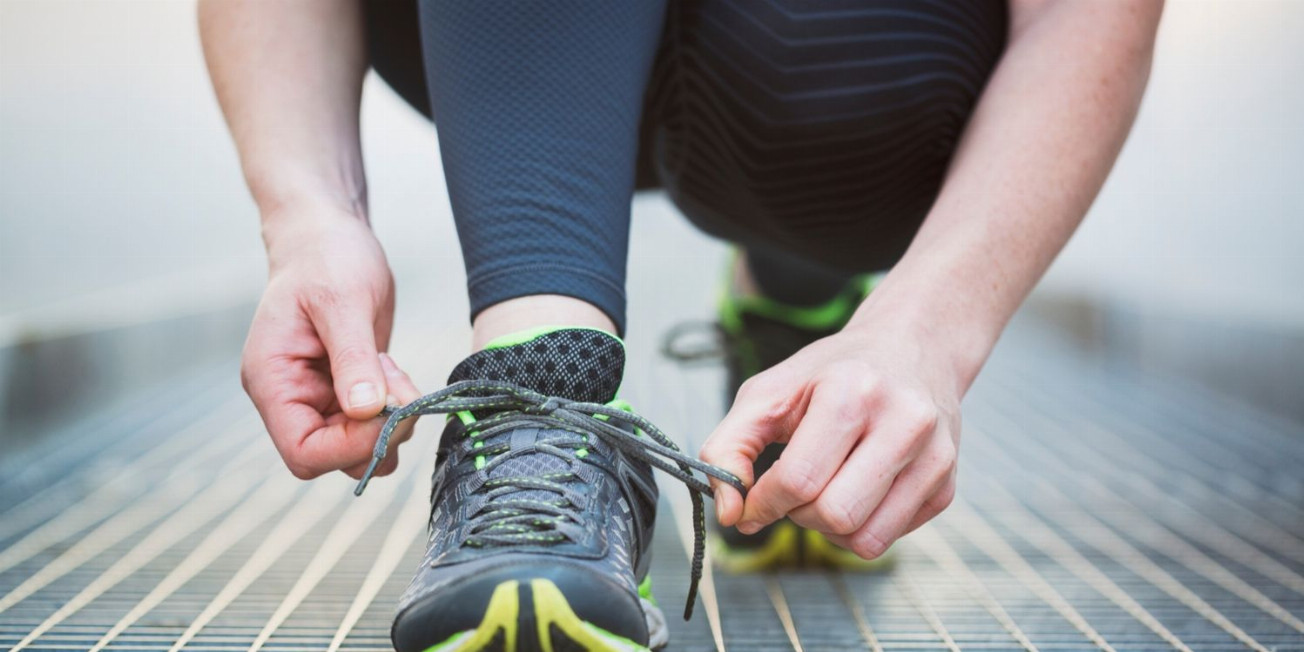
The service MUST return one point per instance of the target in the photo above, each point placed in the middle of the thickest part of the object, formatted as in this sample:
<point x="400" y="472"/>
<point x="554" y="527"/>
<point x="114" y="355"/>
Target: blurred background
<point x="129" y="248"/>
<point x="130" y="263"/>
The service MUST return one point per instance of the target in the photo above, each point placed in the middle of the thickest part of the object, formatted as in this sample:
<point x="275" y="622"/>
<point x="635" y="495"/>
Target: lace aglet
<point x="366" y="477"/>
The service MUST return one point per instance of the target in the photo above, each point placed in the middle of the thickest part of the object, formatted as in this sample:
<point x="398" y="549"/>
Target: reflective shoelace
<point x="516" y="406"/>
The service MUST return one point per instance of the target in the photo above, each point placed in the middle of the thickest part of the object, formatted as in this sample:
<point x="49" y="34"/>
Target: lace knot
<point x="549" y="405"/>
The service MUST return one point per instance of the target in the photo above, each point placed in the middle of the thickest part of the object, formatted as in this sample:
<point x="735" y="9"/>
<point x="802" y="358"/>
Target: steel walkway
<point x="1098" y="509"/>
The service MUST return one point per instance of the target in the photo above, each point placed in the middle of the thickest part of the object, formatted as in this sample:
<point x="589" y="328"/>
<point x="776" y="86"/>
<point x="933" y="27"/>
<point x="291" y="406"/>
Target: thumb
<point x="734" y="446"/>
<point x="350" y="341"/>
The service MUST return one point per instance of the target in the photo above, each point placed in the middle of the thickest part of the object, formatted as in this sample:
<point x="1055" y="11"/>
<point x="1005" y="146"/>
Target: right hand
<point x="312" y="361"/>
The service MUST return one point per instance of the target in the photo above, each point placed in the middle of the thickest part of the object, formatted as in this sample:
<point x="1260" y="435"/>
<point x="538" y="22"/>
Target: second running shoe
<point x="752" y="334"/>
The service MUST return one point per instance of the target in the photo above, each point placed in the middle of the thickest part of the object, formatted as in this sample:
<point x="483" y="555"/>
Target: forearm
<point x="1037" y="150"/>
<point x="288" y="75"/>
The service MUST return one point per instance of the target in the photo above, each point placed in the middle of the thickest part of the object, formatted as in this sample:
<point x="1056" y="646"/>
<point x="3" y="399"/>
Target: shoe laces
<point x="512" y="521"/>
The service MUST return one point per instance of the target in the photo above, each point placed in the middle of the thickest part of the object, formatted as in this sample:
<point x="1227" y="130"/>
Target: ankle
<point x="524" y="313"/>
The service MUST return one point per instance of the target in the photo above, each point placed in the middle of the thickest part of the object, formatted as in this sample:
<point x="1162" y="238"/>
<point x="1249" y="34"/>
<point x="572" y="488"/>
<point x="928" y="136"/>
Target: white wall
<point x="1204" y="215"/>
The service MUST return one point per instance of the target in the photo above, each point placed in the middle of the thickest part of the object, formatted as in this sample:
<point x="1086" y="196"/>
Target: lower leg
<point x="787" y="279"/>
<point x="538" y="108"/>
<point x="524" y="313"/>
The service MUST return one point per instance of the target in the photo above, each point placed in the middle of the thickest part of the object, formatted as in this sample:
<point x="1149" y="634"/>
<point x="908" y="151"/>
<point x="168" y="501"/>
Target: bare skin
<point x="871" y="415"/>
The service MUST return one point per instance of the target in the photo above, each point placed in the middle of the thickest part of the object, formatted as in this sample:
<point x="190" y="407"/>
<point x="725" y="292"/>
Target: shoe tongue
<point x="580" y="364"/>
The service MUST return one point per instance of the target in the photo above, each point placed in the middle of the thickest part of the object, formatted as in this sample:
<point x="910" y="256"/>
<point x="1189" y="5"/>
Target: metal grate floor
<point x="1098" y="509"/>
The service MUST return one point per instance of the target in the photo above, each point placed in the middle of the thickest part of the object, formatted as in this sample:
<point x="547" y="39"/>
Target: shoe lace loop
<point x="512" y="403"/>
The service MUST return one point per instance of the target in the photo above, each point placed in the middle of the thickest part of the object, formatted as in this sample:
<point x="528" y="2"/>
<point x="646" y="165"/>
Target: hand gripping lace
<point x="515" y="406"/>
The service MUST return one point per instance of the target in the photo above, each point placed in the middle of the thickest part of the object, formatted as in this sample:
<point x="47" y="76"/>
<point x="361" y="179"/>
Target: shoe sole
<point x="541" y="622"/>
<point x="790" y="546"/>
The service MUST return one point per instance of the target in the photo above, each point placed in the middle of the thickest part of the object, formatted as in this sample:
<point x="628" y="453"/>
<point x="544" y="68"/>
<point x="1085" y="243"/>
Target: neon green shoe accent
<point x="521" y="337"/>
<point x="550" y="610"/>
<point x="830" y="315"/>
<point x="503" y="613"/>
<point x="781" y="550"/>
<point x="820" y="552"/>
<point x="467" y="419"/>
<point x="645" y="590"/>
<point x="790" y="546"/>
<point x="827" y="316"/>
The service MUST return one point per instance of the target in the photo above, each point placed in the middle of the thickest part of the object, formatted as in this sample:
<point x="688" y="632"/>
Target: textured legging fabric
<point x="814" y="133"/>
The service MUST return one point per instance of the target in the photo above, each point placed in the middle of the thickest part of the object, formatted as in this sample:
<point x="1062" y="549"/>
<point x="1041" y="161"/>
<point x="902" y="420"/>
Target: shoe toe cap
<point x="487" y="599"/>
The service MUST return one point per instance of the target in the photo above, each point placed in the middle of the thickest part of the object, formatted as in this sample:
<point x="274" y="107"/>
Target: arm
<point x="288" y="75"/>
<point x="872" y="414"/>
<point x="1038" y="148"/>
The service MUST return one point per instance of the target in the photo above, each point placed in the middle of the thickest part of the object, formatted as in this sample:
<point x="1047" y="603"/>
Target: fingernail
<point x="363" y="395"/>
<point x="392" y="401"/>
<point x="749" y="527"/>
<point x="387" y="364"/>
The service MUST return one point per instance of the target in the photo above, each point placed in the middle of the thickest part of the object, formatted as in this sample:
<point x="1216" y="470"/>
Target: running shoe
<point x="543" y="504"/>
<point x="752" y="334"/>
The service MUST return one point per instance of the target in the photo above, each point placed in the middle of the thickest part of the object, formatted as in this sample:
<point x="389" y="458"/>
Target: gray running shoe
<point x="543" y="504"/>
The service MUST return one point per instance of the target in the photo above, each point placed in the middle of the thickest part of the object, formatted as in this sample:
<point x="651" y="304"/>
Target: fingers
<point x="834" y="421"/>
<point x="340" y="443"/>
<point x="349" y="335"/>
<point x="760" y="415"/>
<point x="402" y="392"/>
<point x="297" y="403"/>
<point x="920" y="493"/>
<point x="868" y="474"/>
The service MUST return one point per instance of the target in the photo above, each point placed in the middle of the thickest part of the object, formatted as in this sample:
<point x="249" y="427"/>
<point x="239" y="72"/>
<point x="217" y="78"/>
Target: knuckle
<point x="797" y="479"/>
<point x="945" y="458"/>
<point x="758" y="388"/>
<point x="921" y="416"/>
<point x="752" y="386"/>
<point x="767" y="398"/>
<point x="869" y="545"/>
<point x="837" y="516"/>
<point x="938" y="502"/>
<point x="348" y="355"/>
<point x="867" y="383"/>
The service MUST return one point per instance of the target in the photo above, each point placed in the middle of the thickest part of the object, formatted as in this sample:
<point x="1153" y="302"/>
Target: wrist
<point x="947" y="327"/>
<point x="313" y="226"/>
<point x="287" y="190"/>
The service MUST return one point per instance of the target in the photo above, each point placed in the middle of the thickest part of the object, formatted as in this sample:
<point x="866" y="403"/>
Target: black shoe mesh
<point x="574" y="363"/>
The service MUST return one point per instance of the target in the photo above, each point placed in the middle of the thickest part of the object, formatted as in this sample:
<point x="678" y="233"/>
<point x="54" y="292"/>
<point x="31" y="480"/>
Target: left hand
<point x="871" y="417"/>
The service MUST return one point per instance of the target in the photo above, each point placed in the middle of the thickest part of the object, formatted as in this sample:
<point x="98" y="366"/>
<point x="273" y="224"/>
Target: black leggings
<point x="814" y="133"/>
